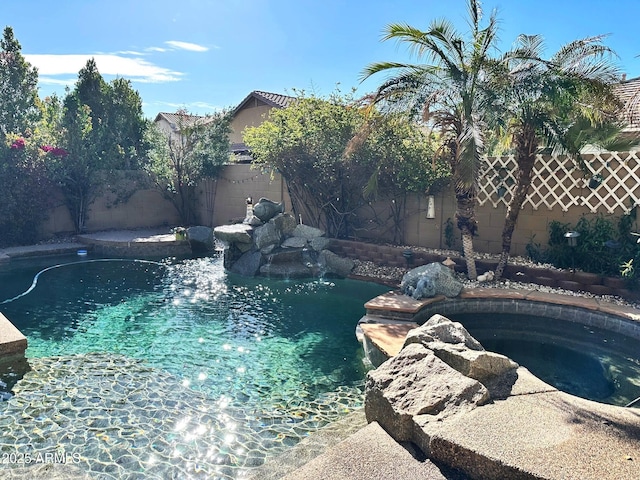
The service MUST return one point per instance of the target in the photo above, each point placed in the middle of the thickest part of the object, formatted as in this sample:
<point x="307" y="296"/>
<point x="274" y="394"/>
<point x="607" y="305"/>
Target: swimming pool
<point x="176" y="368"/>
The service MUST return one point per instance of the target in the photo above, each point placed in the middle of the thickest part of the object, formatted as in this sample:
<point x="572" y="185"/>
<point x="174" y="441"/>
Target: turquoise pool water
<point x="176" y="368"/>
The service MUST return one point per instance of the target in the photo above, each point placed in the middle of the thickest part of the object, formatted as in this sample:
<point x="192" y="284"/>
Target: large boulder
<point x="294" y="242"/>
<point x="319" y="243"/>
<point x="236" y="233"/>
<point x="430" y="280"/>
<point x="305" y="231"/>
<point x="279" y="247"/>
<point x="285" y="223"/>
<point x="416" y="382"/>
<point x="482" y="366"/>
<point x="265" y="235"/>
<point x="334" y="264"/>
<point x="266" y="209"/>
<point x="248" y="264"/>
<point x="440" y="329"/>
<point x="454" y="345"/>
<point x="201" y="239"/>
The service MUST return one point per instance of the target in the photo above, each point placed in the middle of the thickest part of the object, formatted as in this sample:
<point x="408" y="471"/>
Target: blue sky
<point x="204" y="55"/>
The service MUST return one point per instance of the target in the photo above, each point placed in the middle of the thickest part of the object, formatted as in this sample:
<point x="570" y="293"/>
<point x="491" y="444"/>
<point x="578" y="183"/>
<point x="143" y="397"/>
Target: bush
<point x="603" y="246"/>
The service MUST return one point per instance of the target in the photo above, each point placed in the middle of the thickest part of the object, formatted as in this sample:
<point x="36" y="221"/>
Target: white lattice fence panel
<point x="619" y="182"/>
<point x="497" y="180"/>
<point x="612" y="184"/>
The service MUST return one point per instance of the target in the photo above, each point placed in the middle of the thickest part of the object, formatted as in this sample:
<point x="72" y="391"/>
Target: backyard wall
<point x="559" y="192"/>
<point x="220" y="201"/>
<point x="223" y="200"/>
<point x="430" y="232"/>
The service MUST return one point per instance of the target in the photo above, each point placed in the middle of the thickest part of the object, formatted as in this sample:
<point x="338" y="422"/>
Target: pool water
<point x="176" y="367"/>
<point x="581" y="360"/>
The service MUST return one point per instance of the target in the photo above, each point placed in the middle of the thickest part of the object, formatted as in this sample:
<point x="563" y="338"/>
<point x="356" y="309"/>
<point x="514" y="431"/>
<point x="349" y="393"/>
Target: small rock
<point x="294" y="242"/>
<point x="305" y="231"/>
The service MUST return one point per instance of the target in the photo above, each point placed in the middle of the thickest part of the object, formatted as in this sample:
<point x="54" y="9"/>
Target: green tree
<point x="180" y="159"/>
<point x="126" y="126"/>
<point x="26" y="190"/>
<point x="306" y="143"/>
<point x="334" y="158"/>
<point x="448" y="90"/>
<point x="18" y="88"/>
<point x="24" y="187"/>
<point x="405" y="162"/>
<point x="557" y="105"/>
<point x="117" y="121"/>
<point x="76" y="168"/>
<point x="100" y="130"/>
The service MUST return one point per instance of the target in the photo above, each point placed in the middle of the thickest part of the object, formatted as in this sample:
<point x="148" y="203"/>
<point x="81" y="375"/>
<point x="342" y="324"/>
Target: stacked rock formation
<point x="271" y="243"/>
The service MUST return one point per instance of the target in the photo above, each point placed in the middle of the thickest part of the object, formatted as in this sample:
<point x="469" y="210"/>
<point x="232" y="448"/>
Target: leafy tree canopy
<point x="18" y="88"/>
<point x="178" y="160"/>
<point x="333" y="156"/>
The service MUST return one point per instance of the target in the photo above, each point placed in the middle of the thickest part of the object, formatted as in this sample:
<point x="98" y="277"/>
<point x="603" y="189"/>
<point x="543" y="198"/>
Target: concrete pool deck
<point x="148" y="241"/>
<point x="535" y="432"/>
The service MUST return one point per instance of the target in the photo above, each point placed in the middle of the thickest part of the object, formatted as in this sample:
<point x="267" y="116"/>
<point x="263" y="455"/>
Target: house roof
<point x="272" y="99"/>
<point x="629" y="93"/>
<point x="175" y="119"/>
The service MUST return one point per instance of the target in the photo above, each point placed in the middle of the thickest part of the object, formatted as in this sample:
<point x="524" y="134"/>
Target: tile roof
<point x="273" y="99"/>
<point x="175" y="119"/>
<point x="629" y="93"/>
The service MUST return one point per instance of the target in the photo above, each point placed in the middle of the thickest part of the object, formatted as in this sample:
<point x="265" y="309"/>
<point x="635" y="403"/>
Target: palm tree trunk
<point x="465" y="218"/>
<point x="469" y="254"/>
<point x="525" y="158"/>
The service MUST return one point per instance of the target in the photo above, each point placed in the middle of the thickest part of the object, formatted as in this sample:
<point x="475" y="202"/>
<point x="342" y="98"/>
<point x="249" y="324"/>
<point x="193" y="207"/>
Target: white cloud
<point x="56" y="81"/>
<point x="192" y="47"/>
<point x="197" y="108"/>
<point x="130" y="52"/>
<point x="134" y="69"/>
<point x="204" y="106"/>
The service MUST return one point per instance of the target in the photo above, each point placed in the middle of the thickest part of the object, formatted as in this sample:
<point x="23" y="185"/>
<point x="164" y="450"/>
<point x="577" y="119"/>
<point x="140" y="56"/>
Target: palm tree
<point x="448" y="91"/>
<point x="558" y="105"/>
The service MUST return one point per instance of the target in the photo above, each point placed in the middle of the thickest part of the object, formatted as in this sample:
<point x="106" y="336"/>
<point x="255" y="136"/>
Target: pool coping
<point x="395" y="306"/>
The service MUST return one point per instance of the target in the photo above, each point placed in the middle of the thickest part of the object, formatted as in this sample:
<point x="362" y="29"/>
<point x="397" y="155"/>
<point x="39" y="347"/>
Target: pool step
<point x="12" y="342"/>
<point x="381" y="341"/>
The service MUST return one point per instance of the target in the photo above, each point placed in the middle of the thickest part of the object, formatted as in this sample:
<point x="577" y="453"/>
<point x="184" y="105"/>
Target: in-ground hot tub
<point x="578" y="345"/>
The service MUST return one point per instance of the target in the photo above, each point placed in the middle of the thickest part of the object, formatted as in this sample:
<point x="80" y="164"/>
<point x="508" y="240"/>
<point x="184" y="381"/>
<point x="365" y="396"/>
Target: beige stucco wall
<point x="222" y="201"/>
<point x="247" y="117"/>
<point x="145" y="208"/>
<point x="228" y="193"/>
<point x="148" y="208"/>
<point x="533" y="225"/>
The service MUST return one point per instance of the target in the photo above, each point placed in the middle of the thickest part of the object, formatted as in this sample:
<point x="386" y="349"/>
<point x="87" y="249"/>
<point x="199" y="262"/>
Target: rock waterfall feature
<point x="271" y="243"/>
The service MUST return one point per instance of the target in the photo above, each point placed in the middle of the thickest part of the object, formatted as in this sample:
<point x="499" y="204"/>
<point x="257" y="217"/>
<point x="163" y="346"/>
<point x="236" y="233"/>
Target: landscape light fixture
<point x="572" y="238"/>
<point x="408" y="256"/>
